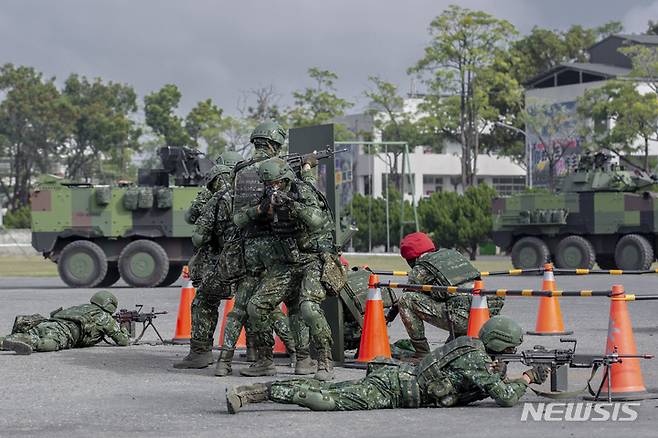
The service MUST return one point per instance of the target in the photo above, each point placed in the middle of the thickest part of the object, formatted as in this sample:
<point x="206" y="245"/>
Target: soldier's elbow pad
<point x="189" y="218"/>
<point x="198" y="239"/>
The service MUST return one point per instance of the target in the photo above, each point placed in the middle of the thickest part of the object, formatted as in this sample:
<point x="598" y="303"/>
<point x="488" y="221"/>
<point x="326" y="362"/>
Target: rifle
<point x="128" y="318"/>
<point x="557" y="358"/>
<point x="296" y="161"/>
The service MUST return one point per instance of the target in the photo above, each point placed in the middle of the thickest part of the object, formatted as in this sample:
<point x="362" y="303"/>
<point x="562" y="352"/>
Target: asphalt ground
<point x="134" y="391"/>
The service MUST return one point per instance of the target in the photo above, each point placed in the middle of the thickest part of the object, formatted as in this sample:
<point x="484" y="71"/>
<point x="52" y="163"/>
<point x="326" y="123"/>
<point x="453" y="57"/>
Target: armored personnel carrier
<point x="602" y="213"/>
<point x="99" y="233"/>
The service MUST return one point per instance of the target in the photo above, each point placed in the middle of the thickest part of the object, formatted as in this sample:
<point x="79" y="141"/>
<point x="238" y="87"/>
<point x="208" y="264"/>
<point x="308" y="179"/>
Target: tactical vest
<point x="283" y="224"/>
<point x="433" y="382"/>
<point x="449" y="267"/>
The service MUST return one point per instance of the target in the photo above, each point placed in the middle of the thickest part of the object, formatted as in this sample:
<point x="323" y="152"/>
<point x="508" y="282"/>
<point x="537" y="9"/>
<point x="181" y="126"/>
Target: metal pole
<point x="370" y="195"/>
<point x="388" y="228"/>
<point x="402" y="193"/>
<point x="413" y="188"/>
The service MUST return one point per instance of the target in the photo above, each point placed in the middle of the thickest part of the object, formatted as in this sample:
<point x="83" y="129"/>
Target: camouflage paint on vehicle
<point x="611" y="210"/>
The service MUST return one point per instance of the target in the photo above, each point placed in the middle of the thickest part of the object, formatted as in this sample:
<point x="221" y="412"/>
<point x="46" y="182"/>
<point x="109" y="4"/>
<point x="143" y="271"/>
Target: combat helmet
<point x="275" y="169"/>
<point x="270" y="131"/>
<point x="501" y="332"/>
<point x="105" y="300"/>
<point x="229" y="158"/>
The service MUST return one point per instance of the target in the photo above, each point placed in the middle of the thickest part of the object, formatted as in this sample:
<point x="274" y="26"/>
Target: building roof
<point x="604" y="70"/>
<point x="639" y="39"/>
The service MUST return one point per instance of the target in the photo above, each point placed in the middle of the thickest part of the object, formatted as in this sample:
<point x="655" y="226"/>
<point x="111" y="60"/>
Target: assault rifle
<point x="296" y="161"/>
<point x="129" y="318"/>
<point x="559" y="359"/>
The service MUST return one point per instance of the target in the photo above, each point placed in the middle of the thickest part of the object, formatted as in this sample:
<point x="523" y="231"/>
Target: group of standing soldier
<point x="264" y="235"/>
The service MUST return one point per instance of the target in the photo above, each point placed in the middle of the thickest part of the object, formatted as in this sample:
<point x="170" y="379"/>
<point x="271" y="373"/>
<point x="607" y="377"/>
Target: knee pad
<point x="314" y="400"/>
<point x="309" y="310"/>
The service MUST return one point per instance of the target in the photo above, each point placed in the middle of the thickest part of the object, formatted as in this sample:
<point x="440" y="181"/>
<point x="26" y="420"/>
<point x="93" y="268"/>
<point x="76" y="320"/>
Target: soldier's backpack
<point x="103" y="195"/>
<point x="164" y="197"/>
<point x="24" y="323"/>
<point x="145" y="198"/>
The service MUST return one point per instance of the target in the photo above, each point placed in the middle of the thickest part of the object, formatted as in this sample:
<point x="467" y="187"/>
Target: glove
<point x="499" y="367"/>
<point x="264" y="205"/>
<point x="538" y="373"/>
<point x="311" y="160"/>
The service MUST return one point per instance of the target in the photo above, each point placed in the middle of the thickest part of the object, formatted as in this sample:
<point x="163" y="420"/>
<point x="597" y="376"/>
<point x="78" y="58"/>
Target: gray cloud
<point x="219" y="48"/>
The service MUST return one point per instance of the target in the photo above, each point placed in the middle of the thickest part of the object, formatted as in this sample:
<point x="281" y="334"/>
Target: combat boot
<point x="239" y="396"/>
<point x="18" y="347"/>
<point x="200" y="356"/>
<point x="264" y="366"/>
<point x="252" y="353"/>
<point x="325" y="366"/>
<point x="223" y="367"/>
<point x="305" y="366"/>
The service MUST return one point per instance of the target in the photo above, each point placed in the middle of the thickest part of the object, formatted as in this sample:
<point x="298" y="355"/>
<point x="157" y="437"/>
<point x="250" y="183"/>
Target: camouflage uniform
<point x="456" y="374"/>
<point x="255" y="256"/>
<point x="445" y="267"/>
<point x="304" y="229"/>
<point x="74" y="327"/>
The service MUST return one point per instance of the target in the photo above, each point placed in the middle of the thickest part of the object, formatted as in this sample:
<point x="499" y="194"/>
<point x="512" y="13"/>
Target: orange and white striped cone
<point x="549" y="316"/>
<point x="374" y="336"/>
<point x="479" y="313"/>
<point x="184" y="319"/>
<point x="626" y="382"/>
<point x="242" y="339"/>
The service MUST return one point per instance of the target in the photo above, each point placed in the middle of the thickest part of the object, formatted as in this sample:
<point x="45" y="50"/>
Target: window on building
<point x="410" y="180"/>
<point x="367" y="187"/>
<point x="432" y="183"/>
<point x="508" y="185"/>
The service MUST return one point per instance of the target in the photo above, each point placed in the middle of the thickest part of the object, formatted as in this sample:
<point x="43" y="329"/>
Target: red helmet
<point x="416" y="244"/>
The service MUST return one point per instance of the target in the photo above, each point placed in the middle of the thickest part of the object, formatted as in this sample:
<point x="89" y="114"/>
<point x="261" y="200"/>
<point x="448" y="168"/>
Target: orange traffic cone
<point x="626" y="382"/>
<point x="184" y="320"/>
<point x="479" y="313"/>
<point x="242" y="339"/>
<point x="374" y="337"/>
<point x="549" y="317"/>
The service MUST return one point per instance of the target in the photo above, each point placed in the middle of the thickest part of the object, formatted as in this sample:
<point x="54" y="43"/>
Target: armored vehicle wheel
<point x="606" y="261"/>
<point x="574" y="252"/>
<point x="143" y="263"/>
<point x="633" y="252"/>
<point x="529" y="252"/>
<point x="112" y="275"/>
<point x="82" y="264"/>
<point x="175" y="270"/>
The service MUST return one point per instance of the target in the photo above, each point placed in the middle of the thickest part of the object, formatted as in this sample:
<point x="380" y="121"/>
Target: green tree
<point x="458" y="68"/>
<point x="634" y="118"/>
<point x="204" y="125"/>
<point x="553" y="125"/>
<point x="35" y="121"/>
<point x="159" y="111"/>
<point x="458" y="221"/>
<point x="102" y="129"/>
<point x="319" y="104"/>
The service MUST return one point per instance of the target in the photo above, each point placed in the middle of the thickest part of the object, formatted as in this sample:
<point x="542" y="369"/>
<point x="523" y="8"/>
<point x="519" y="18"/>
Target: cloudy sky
<point x="220" y="48"/>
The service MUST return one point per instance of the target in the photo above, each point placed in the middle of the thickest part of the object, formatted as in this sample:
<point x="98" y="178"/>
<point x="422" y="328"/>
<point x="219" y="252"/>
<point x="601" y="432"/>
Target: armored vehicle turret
<point x="602" y="213"/>
<point x="99" y="233"/>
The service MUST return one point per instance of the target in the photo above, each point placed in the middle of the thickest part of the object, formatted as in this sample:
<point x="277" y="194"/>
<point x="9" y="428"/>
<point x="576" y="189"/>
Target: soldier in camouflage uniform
<point x="456" y="374"/>
<point x="302" y="222"/>
<point x="253" y="254"/>
<point x="211" y="213"/>
<point x="445" y="267"/>
<point x="76" y="327"/>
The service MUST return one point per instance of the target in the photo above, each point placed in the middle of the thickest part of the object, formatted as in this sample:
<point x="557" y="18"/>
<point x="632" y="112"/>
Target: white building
<point x="431" y="172"/>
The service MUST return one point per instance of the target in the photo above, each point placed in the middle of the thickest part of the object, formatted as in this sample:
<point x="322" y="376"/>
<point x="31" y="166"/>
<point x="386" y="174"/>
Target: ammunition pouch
<point x="231" y="265"/>
<point x="333" y="276"/>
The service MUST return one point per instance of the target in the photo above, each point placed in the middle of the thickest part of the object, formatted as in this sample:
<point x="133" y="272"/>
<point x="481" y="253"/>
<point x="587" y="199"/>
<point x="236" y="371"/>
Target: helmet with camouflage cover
<point x="501" y="332"/>
<point x="270" y="131"/>
<point x="275" y="169"/>
<point x="217" y="170"/>
<point x="229" y="158"/>
<point x="105" y="300"/>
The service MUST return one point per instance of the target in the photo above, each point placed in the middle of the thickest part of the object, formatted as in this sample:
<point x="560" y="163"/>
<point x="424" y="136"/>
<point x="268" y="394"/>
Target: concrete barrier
<point x="16" y="242"/>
